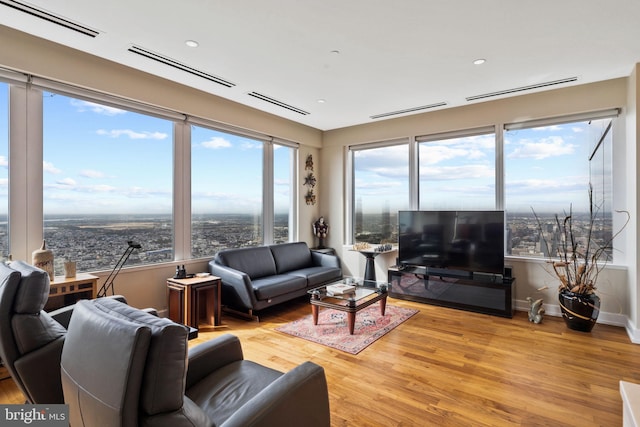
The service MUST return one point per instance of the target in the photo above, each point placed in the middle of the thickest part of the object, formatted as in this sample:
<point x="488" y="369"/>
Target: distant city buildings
<point x="96" y="242"/>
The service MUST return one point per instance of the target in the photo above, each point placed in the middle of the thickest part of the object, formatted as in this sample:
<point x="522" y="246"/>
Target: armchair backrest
<point x="123" y="365"/>
<point x="30" y="340"/>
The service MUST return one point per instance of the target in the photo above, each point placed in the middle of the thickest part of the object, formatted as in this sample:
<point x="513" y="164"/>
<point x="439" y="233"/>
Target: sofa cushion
<point x="316" y="276"/>
<point x="33" y="291"/>
<point x="166" y="364"/>
<point x="270" y="287"/>
<point x="291" y="256"/>
<point x="255" y="262"/>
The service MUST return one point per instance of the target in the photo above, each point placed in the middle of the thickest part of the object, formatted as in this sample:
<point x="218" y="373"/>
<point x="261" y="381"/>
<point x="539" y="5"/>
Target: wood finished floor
<point x="445" y="367"/>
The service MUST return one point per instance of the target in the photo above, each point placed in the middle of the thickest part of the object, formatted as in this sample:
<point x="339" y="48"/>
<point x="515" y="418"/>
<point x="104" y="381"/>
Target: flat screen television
<point x="460" y="241"/>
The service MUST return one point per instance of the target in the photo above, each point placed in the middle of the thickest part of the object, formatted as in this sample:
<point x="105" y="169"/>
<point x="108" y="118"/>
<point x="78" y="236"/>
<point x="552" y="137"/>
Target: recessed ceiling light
<point x="479" y="61"/>
<point x="335" y="52"/>
<point x="192" y="43"/>
<point x="321" y="101"/>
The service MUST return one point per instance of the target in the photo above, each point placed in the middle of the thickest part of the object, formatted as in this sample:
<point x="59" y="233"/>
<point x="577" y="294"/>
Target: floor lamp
<point x="123" y="259"/>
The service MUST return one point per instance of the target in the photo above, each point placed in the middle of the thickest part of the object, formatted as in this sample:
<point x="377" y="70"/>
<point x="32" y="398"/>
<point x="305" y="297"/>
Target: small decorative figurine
<point x="535" y="310"/>
<point x="320" y="229"/>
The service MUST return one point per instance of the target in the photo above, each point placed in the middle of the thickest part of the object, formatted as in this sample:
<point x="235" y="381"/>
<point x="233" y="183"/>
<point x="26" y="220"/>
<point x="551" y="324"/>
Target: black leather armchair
<point x="31" y="339"/>
<point x="121" y="366"/>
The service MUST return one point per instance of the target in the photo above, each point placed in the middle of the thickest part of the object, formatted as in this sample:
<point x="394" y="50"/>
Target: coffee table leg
<point x="351" y="320"/>
<point x="314" y="312"/>
<point x="383" y="305"/>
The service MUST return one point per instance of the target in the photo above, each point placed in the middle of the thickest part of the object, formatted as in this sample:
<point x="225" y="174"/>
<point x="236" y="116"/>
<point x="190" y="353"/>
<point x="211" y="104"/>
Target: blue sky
<point x="545" y="168"/>
<point x="99" y="159"/>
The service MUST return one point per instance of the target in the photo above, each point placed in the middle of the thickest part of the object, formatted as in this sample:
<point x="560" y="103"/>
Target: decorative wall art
<point x="309" y="181"/>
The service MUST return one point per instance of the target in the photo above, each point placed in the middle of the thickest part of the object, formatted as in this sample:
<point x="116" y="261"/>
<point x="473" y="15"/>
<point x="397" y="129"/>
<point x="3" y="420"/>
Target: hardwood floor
<point x="445" y="367"/>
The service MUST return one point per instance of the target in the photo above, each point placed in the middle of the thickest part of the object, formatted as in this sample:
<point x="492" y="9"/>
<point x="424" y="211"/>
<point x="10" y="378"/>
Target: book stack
<point x="340" y="288"/>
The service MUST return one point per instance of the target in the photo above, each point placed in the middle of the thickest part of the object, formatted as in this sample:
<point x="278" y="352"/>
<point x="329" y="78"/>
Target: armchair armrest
<point x="62" y="315"/>
<point x="211" y="355"/>
<point x="325" y="260"/>
<point x="300" y="394"/>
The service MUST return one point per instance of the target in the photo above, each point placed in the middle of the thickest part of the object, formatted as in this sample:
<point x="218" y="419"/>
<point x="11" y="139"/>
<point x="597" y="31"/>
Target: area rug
<point x="332" y="329"/>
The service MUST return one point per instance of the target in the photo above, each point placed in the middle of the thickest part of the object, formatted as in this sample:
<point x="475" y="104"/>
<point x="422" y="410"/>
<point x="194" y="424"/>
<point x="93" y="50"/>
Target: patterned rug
<point x="332" y="329"/>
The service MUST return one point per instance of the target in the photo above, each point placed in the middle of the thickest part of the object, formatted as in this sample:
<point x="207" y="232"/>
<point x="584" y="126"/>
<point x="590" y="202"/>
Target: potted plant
<point x="577" y="260"/>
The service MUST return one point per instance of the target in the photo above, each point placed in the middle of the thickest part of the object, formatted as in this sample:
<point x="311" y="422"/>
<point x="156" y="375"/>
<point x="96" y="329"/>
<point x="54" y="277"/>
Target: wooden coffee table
<point x="367" y="292"/>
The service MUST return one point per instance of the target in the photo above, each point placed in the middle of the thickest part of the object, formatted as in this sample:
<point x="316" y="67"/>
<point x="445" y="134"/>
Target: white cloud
<point x="246" y="145"/>
<point x="216" y="142"/>
<point x="83" y="106"/>
<point x="541" y="149"/>
<point x="70" y="182"/>
<point x="48" y="167"/>
<point x="88" y="173"/>
<point x="103" y="188"/>
<point x="4" y="162"/>
<point x="434" y="154"/>
<point x="116" y="133"/>
<point x="448" y="173"/>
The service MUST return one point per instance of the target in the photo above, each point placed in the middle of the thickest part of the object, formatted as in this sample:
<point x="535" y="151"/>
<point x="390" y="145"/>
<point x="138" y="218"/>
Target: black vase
<point x="580" y="312"/>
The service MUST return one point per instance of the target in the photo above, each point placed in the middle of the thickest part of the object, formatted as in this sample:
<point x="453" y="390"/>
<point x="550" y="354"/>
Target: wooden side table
<point x="68" y="290"/>
<point x="188" y="297"/>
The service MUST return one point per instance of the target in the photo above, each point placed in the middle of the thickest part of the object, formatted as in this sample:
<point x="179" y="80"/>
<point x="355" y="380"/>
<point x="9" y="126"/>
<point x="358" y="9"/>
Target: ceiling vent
<point x="523" y="88"/>
<point x="38" y="13"/>
<point x="278" y="103"/>
<point x="180" y="66"/>
<point x="408" y="110"/>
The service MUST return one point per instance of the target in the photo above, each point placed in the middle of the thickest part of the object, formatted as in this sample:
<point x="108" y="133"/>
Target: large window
<point x="227" y="183"/>
<point x="107" y="180"/>
<point x="380" y="190"/>
<point x="4" y="170"/>
<point x="548" y="171"/>
<point x="457" y="172"/>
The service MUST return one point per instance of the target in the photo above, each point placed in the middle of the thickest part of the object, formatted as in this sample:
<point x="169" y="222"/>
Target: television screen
<point x="469" y="241"/>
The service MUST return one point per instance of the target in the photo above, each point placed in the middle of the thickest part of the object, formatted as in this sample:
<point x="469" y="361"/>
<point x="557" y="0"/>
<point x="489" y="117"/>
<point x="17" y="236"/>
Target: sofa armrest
<point x="238" y="280"/>
<point x="211" y="355"/>
<point x="325" y="260"/>
<point x="300" y="394"/>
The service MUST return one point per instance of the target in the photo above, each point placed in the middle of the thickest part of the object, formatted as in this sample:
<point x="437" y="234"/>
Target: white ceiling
<point x="393" y="55"/>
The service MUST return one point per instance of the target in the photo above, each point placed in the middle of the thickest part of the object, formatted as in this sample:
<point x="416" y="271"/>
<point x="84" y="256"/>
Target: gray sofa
<point x="259" y="277"/>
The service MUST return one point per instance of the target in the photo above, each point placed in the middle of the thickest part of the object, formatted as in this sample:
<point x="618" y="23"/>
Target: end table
<point x="187" y="297"/>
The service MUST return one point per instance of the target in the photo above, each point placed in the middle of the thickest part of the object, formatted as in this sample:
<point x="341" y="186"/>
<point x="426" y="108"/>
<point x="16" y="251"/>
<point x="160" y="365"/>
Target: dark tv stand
<point x="482" y="293"/>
